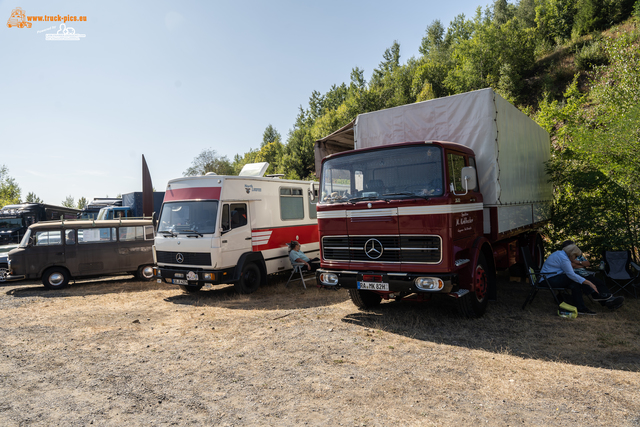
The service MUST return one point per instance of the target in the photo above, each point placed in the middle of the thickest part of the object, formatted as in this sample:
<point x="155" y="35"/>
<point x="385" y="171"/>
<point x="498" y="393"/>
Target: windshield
<point x="10" y="223"/>
<point x="188" y="217"/>
<point x="414" y="171"/>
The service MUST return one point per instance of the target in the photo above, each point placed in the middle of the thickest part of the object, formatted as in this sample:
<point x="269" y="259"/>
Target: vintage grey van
<point x="60" y="251"/>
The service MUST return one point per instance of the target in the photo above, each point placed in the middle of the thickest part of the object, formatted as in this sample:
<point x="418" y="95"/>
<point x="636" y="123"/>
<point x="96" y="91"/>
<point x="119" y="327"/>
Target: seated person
<point x="71" y="237"/>
<point x="581" y="264"/>
<point x="297" y="256"/>
<point x="559" y="272"/>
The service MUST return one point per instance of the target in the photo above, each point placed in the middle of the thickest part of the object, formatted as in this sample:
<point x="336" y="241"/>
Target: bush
<point x="590" y="56"/>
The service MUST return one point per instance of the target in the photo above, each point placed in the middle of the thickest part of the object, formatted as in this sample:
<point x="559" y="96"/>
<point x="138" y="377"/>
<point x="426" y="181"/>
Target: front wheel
<point x="365" y="299"/>
<point x="474" y="304"/>
<point x="55" y="278"/>
<point x="249" y="279"/>
<point x="145" y="272"/>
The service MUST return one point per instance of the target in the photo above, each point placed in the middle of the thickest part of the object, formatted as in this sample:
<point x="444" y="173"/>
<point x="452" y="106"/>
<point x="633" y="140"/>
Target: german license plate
<point x="373" y="286"/>
<point x="180" y="282"/>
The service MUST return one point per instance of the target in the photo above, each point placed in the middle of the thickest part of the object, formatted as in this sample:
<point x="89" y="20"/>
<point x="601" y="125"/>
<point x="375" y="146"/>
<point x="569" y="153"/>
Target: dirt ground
<point x="122" y="352"/>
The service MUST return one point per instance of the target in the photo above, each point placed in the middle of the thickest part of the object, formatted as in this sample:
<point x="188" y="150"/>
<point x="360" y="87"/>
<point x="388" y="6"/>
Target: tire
<point x="145" y="272"/>
<point x="55" y="278"/>
<point x="3" y="274"/>
<point x="249" y="279"/>
<point x="190" y="289"/>
<point x="365" y="299"/>
<point x="474" y="304"/>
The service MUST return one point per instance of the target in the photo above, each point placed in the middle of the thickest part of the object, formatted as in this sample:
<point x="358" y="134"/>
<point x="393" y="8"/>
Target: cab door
<point x="236" y="233"/>
<point x="46" y="250"/>
<point x="467" y="218"/>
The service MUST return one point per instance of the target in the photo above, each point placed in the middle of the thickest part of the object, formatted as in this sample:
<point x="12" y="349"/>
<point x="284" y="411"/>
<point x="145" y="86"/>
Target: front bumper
<point x="186" y="276"/>
<point x="398" y="282"/>
<point x="14" y="278"/>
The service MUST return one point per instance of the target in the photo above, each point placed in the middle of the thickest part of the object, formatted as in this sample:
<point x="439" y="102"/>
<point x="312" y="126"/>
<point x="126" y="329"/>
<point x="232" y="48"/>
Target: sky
<point x="169" y="79"/>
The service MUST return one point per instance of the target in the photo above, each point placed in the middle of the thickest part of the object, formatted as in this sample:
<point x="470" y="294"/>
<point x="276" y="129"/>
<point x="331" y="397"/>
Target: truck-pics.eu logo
<point x="19" y="19"/>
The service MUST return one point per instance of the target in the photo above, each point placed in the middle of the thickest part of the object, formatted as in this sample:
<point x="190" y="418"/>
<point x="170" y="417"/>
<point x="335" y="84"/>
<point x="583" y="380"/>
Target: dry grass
<point x="121" y="352"/>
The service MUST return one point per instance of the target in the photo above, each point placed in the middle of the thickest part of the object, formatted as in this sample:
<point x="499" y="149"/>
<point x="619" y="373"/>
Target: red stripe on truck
<point x="273" y="238"/>
<point x="194" y="193"/>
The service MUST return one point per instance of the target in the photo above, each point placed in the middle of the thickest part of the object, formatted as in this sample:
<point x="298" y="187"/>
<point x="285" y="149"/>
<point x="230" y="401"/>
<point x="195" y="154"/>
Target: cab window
<point x="47" y="238"/>
<point x="455" y="162"/>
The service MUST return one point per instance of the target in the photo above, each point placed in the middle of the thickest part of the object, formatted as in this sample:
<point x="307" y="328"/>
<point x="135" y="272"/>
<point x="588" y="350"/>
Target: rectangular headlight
<point x="329" y="278"/>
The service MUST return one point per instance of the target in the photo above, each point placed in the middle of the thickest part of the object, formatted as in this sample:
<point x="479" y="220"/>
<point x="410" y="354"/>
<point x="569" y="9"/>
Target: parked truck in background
<point x="16" y="219"/>
<point x="437" y="216"/>
<point x="217" y="229"/>
<point x="92" y="209"/>
<point x="131" y="206"/>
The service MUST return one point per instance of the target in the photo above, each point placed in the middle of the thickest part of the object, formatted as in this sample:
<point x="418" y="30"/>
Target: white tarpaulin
<point x="510" y="147"/>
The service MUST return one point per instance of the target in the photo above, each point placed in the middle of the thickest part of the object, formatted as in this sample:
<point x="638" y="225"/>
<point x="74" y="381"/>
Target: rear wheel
<point x="145" y="272"/>
<point x="365" y="299"/>
<point x="474" y="304"/>
<point x="190" y="289"/>
<point x="249" y="279"/>
<point x="55" y="278"/>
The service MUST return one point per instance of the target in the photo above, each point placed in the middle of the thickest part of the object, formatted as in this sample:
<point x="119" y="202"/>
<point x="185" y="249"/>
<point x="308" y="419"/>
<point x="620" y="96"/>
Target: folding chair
<point x="537" y="280"/>
<point x="617" y="268"/>
<point x="297" y="268"/>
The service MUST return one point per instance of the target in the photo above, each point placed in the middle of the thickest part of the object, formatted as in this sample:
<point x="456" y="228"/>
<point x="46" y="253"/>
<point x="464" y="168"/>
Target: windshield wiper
<point x="354" y="200"/>
<point x="171" y="233"/>
<point x="192" y="232"/>
<point x="406" y="193"/>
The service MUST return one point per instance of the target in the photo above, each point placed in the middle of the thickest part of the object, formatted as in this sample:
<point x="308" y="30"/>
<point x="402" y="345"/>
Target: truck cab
<point x="403" y="219"/>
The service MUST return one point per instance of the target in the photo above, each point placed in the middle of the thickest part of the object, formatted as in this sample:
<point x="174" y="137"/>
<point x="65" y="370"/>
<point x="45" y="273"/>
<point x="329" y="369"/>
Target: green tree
<point x="270" y="135"/>
<point x="82" y="203"/>
<point x="209" y="161"/>
<point x="32" y="198"/>
<point x="69" y="202"/>
<point x="9" y="189"/>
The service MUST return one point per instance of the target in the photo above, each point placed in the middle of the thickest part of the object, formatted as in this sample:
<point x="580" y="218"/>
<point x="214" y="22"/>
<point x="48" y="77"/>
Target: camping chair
<point x="537" y="280"/>
<point x="297" y="269"/>
<point x="617" y="268"/>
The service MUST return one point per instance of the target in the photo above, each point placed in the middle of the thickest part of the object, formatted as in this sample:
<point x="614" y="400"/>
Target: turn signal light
<point x="429" y="283"/>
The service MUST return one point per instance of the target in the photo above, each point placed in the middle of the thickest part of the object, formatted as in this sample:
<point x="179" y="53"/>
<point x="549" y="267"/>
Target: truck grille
<point x="387" y="249"/>
<point x="190" y="258"/>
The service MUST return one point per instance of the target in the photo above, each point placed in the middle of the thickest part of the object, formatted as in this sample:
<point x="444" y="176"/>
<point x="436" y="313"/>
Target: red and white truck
<point x="232" y="229"/>
<point x="436" y="216"/>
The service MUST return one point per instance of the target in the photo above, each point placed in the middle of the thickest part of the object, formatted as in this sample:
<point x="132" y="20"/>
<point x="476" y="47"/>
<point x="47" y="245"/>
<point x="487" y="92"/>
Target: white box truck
<point x="217" y="229"/>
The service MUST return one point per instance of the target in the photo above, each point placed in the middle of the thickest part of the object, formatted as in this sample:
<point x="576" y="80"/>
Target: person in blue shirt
<point x="296" y="255"/>
<point x="559" y="270"/>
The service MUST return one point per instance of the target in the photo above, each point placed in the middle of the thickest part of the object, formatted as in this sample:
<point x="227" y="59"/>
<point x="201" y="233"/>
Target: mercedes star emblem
<point x="179" y="258"/>
<point x="373" y="248"/>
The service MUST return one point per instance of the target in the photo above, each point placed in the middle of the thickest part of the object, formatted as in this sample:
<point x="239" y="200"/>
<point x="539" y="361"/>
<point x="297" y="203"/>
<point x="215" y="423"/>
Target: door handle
<point x="224" y="241"/>
<point x="247" y="238"/>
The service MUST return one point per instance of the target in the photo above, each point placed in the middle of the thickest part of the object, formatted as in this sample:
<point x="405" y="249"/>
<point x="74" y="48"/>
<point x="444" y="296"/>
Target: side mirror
<point x="154" y="218"/>
<point x="312" y="191"/>
<point x="468" y="177"/>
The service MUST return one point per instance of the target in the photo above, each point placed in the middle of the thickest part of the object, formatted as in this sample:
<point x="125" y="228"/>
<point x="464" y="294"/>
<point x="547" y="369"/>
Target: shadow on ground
<point x="610" y="339"/>
<point x="98" y="286"/>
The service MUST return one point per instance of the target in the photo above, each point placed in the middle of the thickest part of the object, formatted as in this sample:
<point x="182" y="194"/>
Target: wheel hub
<point x="480" y="282"/>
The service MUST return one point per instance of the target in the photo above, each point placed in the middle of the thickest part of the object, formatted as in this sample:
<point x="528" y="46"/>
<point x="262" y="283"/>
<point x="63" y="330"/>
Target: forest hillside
<point x="571" y="65"/>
